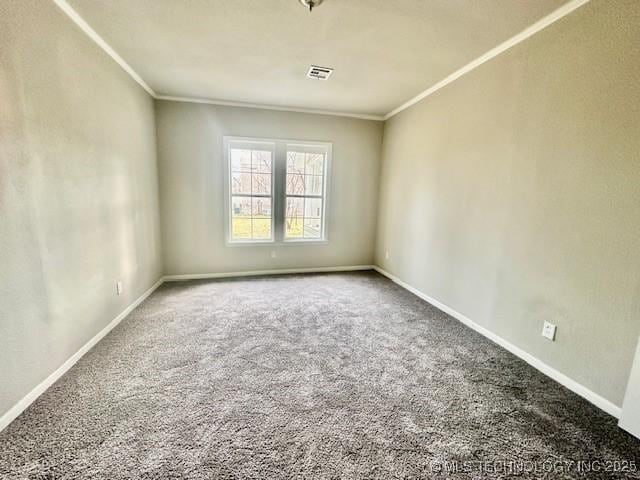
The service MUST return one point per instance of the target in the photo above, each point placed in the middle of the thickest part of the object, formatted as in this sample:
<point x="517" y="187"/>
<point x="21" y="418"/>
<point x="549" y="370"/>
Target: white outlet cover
<point x="273" y="254"/>
<point x="386" y="255"/>
<point x="119" y="288"/>
<point x="549" y="331"/>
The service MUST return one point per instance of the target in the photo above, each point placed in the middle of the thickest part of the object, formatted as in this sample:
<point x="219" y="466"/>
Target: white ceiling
<point x="384" y="52"/>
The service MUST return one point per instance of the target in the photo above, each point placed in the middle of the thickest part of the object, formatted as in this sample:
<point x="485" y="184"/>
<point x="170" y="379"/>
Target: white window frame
<point x="278" y="190"/>
<point x="248" y="144"/>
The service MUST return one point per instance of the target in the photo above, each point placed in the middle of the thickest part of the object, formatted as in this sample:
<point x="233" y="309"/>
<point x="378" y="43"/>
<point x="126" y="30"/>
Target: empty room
<point x="319" y="239"/>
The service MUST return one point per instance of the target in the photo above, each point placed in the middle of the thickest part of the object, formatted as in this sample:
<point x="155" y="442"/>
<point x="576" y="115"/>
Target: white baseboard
<point x="581" y="390"/>
<point x="559" y="377"/>
<point x="282" y="271"/>
<point x="19" y="407"/>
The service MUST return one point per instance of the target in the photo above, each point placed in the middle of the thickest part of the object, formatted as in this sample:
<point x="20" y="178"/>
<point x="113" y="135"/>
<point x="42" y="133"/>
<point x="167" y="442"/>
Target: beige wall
<point x="512" y="195"/>
<point x="78" y="193"/>
<point x="191" y="187"/>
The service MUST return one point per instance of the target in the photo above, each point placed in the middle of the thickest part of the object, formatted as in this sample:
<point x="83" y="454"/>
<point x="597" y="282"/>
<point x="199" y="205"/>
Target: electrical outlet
<point x="273" y="254"/>
<point x="549" y="331"/>
<point x="386" y="255"/>
<point x="119" y="287"/>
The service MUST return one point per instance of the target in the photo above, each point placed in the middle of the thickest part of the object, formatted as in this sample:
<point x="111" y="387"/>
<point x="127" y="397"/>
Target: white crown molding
<point x="516" y="39"/>
<point x="269" y="107"/>
<point x="544" y="22"/>
<point x="91" y="33"/>
<point x="535" y="362"/>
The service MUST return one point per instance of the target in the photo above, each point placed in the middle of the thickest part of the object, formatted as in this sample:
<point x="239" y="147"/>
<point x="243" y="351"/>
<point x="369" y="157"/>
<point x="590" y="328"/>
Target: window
<point x="251" y="182"/>
<point x="276" y="190"/>
<point x="305" y="192"/>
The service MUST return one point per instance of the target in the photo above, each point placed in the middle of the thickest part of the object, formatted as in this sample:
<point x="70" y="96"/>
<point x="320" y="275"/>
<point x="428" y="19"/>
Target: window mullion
<point x="280" y="167"/>
<point x="304" y="196"/>
<point x="249" y="195"/>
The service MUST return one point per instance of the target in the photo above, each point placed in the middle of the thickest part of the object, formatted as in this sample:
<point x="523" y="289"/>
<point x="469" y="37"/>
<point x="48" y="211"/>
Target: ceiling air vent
<point x="319" y="73"/>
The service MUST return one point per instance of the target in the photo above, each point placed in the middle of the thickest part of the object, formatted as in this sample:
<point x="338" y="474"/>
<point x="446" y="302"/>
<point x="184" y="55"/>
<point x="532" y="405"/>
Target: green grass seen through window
<point x="241" y="228"/>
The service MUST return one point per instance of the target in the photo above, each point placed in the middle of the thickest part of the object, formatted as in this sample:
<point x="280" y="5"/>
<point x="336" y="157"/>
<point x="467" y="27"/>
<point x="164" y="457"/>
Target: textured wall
<point x="513" y="194"/>
<point x="78" y="193"/>
<point x="190" y="157"/>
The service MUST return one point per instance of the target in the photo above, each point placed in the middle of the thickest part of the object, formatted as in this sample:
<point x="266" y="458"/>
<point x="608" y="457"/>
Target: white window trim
<point x="278" y="192"/>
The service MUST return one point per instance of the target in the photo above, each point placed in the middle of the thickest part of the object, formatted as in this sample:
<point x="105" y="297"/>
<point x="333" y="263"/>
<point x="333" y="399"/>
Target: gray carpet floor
<point x="328" y="376"/>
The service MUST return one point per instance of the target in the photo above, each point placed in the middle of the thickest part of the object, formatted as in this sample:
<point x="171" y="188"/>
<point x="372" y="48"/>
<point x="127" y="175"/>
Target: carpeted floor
<point x="310" y="376"/>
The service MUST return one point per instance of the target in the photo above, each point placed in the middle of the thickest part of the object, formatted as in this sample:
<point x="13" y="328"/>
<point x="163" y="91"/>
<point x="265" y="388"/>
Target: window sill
<point x="320" y="241"/>
<point x="273" y="243"/>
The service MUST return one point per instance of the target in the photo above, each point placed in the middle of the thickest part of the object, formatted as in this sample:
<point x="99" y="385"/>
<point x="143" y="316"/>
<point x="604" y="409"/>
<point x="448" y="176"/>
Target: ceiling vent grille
<point x="319" y="73"/>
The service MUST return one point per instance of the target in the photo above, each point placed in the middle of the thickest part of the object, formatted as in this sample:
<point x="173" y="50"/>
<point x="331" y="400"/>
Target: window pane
<point x="294" y="217"/>
<point x="240" y="160"/>
<point x="313" y="185"/>
<point x="261" y="184"/>
<point x="312" y="228"/>
<point x="295" y="162"/>
<point x="261" y="207"/>
<point x="262" y="228"/>
<point x="241" y="206"/>
<point x="313" y="208"/>
<point x="240" y="182"/>
<point x="293" y="227"/>
<point x="295" y="207"/>
<point x="261" y="161"/>
<point x="240" y="228"/>
<point x="251" y="190"/>
<point x="251" y="218"/>
<point x="295" y="184"/>
<point x="314" y="164"/>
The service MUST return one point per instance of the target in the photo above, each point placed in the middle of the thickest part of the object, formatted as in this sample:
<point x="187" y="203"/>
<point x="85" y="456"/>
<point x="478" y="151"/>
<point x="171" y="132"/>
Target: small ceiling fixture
<point x="310" y="4"/>
<point x="319" y="73"/>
